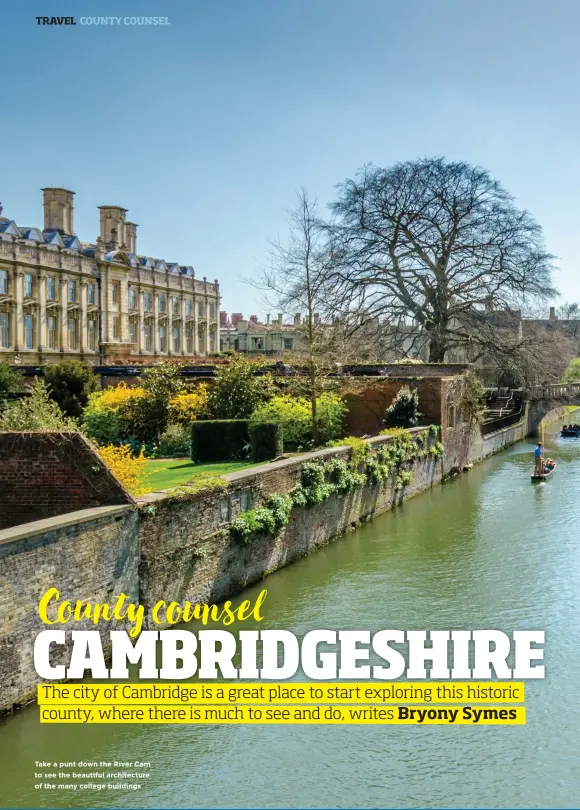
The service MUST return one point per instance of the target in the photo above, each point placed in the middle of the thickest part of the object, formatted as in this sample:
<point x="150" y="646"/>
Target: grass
<point x="172" y="472"/>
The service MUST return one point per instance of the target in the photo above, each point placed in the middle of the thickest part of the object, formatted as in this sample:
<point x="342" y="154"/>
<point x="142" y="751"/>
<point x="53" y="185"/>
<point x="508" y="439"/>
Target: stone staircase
<point x="501" y="406"/>
<point x="503" y="409"/>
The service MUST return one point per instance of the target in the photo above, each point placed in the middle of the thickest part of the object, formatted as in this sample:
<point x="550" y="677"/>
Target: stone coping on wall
<point x="242" y="476"/>
<point x="505" y="429"/>
<point x="37" y="527"/>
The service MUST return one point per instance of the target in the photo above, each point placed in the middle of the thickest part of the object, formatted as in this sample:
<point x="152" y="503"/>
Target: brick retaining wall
<point x="43" y="474"/>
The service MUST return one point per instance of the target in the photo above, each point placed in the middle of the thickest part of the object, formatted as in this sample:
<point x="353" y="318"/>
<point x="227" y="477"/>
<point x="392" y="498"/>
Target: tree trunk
<point x="437" y="348"/>
<point x="315" y="430"/>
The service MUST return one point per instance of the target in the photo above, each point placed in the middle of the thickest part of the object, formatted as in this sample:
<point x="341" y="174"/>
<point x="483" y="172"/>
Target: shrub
<point x="313" y="487"/>
<point x="331" y="413"/>
<point x="238" y="391"/>
<point x="103" y="427"/>
<point x="147" y="416"/>
<point x="219" y="439"/>
<point x="403" y="479"/>
<point x="174" y="441"/>
<point x="266" y="439"/>
<point x="404" y="410"/>
<point x="35" y="412"/>
<point x="199" y="484"/>
<point x="572" y="373"/>
<point x="341" y="475"/>
<point x="128" y="468"/>
<point x="108" y="417"/>
<point x="10" y="382"/>
<point x="70" y="384"/>
<point x="263" y="521"/>
<point x="294" y="414"/>
<point x="189" y="405"/>
<point x="359" y="449"/>
<point x="114" y="398"/>
<point x="280" y="506"/>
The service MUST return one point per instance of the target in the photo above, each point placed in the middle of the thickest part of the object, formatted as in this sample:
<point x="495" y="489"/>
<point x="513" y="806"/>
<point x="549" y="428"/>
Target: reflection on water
<point x="489" y="550"/>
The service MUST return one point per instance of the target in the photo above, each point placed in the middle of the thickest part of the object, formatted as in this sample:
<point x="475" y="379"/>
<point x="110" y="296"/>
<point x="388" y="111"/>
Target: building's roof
<point x="8" y="226"/>
<point x="71" y="242"/>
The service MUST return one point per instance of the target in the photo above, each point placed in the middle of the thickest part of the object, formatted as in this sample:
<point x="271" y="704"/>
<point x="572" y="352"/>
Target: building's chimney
<point x="553" y="314"/>
<point x="112" y="219"/>
<point x="131" y="237"/>
<point x="254" y="318"/>
<point x="297" y="319"/>
<point x="223" y="318"/>
<point x="268" y="319"/>
<point x="58" y="210"/>
<point x="317" y="317"/>
<point x="236" y="318"/>
<point x="280" y="317"/>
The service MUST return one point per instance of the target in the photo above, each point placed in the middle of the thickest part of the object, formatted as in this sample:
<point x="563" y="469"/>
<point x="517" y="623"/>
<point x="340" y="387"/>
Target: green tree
<point x="404" y="409"/>
<point x="10" y="382"/>
<point x="35" y="412"/>
<point x="70" y="383"/>
<point x="148" y="415"/>
<point x="572" y="373"/>
<point x="238" y="390"/>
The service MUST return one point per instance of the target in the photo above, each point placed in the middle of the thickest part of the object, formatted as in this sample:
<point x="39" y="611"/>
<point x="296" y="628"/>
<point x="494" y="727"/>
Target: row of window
<point x="174" y="303"/>
<point x="51" y="288"/>
<point x="52" y="338"/>
<point x="51" y="294"/>
<point x="175" y="338"/>
<point x="53" y="341"/>
<point x="258" y="344"/>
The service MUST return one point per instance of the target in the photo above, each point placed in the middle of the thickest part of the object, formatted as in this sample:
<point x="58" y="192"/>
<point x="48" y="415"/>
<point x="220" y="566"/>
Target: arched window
<point x="450" y="416"/>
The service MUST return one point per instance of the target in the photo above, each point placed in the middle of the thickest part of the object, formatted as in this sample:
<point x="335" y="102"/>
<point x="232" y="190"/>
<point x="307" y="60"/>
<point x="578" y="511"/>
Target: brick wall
<point x="177" y="548"/>
<point x="95" y="557"/>
<point x="186" y="547"/>
<point x="44" y="474"/>
<point x="366" y="408"/>
<point x="425" y="369"/>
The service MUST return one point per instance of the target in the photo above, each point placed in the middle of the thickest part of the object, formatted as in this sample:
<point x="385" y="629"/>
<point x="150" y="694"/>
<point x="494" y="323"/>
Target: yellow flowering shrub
<point x="186" y="407"/>
<point x="129" y="469"/>
<point x="111" y="399"/>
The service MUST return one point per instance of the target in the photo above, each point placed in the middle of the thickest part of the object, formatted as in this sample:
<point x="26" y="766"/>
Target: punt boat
<point x="548" y="470"/>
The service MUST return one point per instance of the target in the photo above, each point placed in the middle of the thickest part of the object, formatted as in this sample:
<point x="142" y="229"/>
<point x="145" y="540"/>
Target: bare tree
<point x="298" y="278"/>
<point x="429" y="249"/>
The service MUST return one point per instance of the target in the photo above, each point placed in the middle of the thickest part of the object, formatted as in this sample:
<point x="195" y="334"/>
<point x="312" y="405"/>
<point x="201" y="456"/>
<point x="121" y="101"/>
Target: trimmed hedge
<point x="218" y="439"/>
<point x="266" y="439"/>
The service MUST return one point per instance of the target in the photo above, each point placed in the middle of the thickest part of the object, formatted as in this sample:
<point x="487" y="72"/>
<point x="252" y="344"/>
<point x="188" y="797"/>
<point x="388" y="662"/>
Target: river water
<point x="487" y="550"/>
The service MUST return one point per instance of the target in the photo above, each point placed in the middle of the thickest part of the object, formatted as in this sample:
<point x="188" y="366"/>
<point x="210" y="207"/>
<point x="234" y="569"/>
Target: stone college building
<point x="101" y="302"/>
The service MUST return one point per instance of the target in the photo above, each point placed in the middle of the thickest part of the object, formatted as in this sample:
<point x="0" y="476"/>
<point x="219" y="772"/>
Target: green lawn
<point x="167" y="473"/>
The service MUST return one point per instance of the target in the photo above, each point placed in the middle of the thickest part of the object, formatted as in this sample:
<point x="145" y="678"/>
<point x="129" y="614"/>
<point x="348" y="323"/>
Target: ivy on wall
<point x="320" y="479"/>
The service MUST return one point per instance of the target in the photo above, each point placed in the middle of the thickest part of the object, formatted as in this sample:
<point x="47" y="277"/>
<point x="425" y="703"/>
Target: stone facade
<point x="273" y="338"/>
<point x="99" y="302"/>
<point x="91" y="555"/>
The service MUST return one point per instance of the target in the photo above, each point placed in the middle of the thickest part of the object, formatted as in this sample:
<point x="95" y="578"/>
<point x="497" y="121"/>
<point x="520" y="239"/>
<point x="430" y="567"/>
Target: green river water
<point x="487" y="550"/>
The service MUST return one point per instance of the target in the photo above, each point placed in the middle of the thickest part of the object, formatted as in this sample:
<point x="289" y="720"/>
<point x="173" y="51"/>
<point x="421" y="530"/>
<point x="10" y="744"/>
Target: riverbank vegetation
<point x="320" y="478"/>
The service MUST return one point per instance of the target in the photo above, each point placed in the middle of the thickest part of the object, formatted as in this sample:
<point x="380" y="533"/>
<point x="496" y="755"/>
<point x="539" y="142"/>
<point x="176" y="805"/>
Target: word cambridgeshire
<point x="279" y="654"/>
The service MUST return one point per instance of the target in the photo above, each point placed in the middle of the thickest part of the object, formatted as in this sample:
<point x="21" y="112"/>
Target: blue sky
<point x="203" y="129"/>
